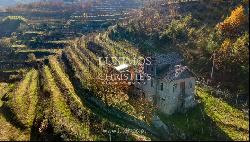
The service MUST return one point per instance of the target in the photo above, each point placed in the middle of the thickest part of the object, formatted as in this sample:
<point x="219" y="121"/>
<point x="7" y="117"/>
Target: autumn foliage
<point x="234" y="23"/>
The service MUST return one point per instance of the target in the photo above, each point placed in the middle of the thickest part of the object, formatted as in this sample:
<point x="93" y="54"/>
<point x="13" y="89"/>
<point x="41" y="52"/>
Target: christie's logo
<point x="120" y="69"/>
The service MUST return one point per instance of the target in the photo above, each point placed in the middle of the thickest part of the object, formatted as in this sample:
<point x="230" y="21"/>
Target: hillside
<point x="54" y="87"/>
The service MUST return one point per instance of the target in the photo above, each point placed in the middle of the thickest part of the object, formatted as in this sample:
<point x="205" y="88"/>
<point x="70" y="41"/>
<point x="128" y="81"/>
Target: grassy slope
<point x="229" y="119"/>
<point x="212" y="119"/>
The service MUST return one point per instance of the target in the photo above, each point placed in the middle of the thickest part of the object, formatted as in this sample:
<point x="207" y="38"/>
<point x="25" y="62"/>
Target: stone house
<point x="172" y="85"/>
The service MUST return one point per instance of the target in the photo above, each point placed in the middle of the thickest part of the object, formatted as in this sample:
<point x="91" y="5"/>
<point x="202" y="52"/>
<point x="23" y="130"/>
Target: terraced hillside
<point x="56" y="99"/>
<point x="53" y="99"/>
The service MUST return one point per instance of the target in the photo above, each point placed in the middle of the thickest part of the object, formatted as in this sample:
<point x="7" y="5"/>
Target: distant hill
<point x="7" y="3"/>
<point x="4" y="3"/>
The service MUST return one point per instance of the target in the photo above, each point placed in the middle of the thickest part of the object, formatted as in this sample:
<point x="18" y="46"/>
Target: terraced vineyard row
<point x="120" y="49"/>
<point x="86" y="61"/>
<point x="67" y="88"/>
<point x="62" y="118"/>
<point x="90" y="55"/>
<point x="77" y="66"/>
<point x="24" y="98"/>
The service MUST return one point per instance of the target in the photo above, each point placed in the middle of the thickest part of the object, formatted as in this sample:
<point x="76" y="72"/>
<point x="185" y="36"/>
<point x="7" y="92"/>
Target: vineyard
<point x="55" y="99"/>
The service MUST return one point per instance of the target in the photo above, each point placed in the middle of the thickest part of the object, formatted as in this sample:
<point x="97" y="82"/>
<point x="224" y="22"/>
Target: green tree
<point x="178" y="31"/>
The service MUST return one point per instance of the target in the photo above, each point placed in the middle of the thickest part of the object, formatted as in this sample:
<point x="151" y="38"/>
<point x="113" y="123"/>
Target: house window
<point x="161" y="86"/>
<point x="190" y="85"/>
<point x="162" y="103"/>
<point x="152" y="83"/>
<point x="174" y="87"/>
<point x="138" y="77"/>
<point x="145" y="80"/>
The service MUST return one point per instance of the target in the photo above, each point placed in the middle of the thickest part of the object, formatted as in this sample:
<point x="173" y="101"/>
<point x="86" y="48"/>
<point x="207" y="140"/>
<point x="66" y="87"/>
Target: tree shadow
<point x="240" y="101"/>
<point x="11" y="117"/>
